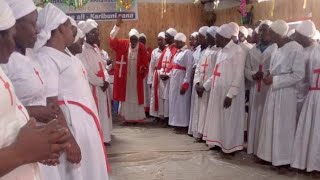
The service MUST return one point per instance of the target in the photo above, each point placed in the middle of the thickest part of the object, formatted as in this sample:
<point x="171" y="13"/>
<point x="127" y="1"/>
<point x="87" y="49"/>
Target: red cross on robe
<point x="7" y="86"/>
<point x="216" y="73"/>
<point x="205" y="65"/>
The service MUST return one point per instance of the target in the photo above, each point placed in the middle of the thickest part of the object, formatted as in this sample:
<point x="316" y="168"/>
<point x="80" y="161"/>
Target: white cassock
<point x="278" y="122"/>
<point x="225" y="126"/>
<point x="197" y="54"/>
<point x="179" y="112"/>
<point x="92" y="59"/>
<point x="156" y="53"/>
<point x="13" y="116"/>
<point x="256" y="60"/>
<point x="198" y="111"/>
<point x="67" y="81"/>
<point x="306" y="146"/>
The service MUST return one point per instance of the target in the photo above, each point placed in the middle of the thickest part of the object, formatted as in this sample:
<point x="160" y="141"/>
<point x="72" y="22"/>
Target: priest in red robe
<point x="131" y="67"/>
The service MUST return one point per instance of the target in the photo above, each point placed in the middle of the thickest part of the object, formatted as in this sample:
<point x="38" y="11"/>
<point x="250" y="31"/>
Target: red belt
<point x="314" y="89"/>
<point x="96" y="120"/>
<point x="177" y="66"/>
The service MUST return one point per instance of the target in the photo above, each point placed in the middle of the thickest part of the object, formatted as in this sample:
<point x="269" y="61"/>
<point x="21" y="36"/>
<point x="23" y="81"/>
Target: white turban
<point x="81" y="25"/>
<point x="142" y="35"/>
<point x="266" y="22"/>
<point x="250" y="32"/>
<point x="172" y="32"/>
<point x="280" y="27"/>
<point x="292" y="31"/>
<point x="180" y="37"/>
<point x="50" y="18"/>
<point x="307" y="28"/>
<point x="88" y="26"/>
<point x="21" y="8"/>
<point x="203" y="30"/>
<point x="162" y="35"/>
<point x="79" y="35"/>
<point x="213" y="31"/>
<point x="225" y="31"/>
<point x="7" y="19"/>
<point x="134" y="32"/>
<point x="73" y="22"/>
<point x="195" y="34"/>
<point x="244" y="31"/>
<point x="234" y="28"/>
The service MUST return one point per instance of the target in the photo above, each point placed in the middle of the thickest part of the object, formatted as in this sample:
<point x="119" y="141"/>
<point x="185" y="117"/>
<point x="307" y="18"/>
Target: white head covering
<point x="235" y="28"/>
<point x="307" y="28"/>
<point x="225" y="31"/>
<point x="79" y="35"/>
<point x="244" y="31"/>
<point x="134" y="32"/>
<point x="181" y="37"/>
<point x="213" y="30"/>
<point x="280" y="27"/>
<point x="250" y="31"/>
<point x="195" y="34"/>
<point x="81" y="25"/>
<point x="316" y="36"/>
<point x="257" y="29"/>
<point x="50" y="18"/>
<point x="172" y="32"/>
<point x="7" y="19"/>
<point x="203" y="30"/>
<point x="88" y="26"/>
<point x="266" y="22"/>
<point x="73" y="22"/>
<point x="292" y="31"/>
<point x="162" y="34"/>
<point x="21" y="8"/>
<point x="143" y="35"/>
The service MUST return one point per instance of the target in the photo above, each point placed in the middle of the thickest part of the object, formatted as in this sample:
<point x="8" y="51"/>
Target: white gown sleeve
<point x="52" y="72"/>
<point x="248" y="72"/>
<point x="114" y="32"/>
<point x="190" y="63"/>
<point x="151" y="67"/>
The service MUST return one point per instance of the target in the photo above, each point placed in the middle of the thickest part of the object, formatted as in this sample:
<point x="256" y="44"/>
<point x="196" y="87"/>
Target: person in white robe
<point x="92" y="59"/>
<point x="256" y="67"/>
<point x="225" y="119"/>
<point x="235" y="32"/>
<point x="278" y="121"/>
<point x="19" y="134"/>
<point x="180" y="88"/>
<point x="200" y="97"/>
<point x="193" y="41"/>
<point x="306" y="144"/>
<point x="70" y="89"/>
<point x="155" y="56"/>
<point x="202" y="35"/>
<point x="243" y="35"/>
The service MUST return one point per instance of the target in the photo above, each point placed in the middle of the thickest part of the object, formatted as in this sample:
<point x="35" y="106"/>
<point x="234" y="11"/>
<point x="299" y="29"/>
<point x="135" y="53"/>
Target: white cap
<point x="81" y="24"/>
<point x="142" y="35"/>
<point x="162" y="35"/>
<point x="172" y="32"/>
<point x="195" y="34"/>
<point x="280" y="27"/>
<point x="307" y="28"/>
<point x="21" y="8"/>
<point x="180" y="37"/>
<point x="244" y="31"/>
<point x="225" y="31"/>
<point x="88" y="26"/>
<point x="7" y="19"/>
<point x="203" y="30"/>
<point x="250" y="31"/>
<point x="213" y="30"/>
<point x="235" y="28"/>
<point x="134" y="32"/>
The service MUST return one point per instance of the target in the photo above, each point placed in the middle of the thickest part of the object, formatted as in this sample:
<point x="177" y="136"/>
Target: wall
<point x="289" y="10"/>
<point x="185" y="17"/>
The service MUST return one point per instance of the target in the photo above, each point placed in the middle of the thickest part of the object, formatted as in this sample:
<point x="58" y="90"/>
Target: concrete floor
<point x="146" y="152"/>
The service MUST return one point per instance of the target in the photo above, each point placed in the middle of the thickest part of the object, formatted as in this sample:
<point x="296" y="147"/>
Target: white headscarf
<point x="195" y="34"/>
<point x="225" y="31"/>
<point x="143" y="35"/>
<point x="181" y="37"/>
<point x="21" y="8"/>
<point x="162" y="34"/>
<point x="88" y="26"/>
<point x="73" y="22"/>
<point x="234" y="28"/>
<point x="213" y="31"/>
<point x="50" y="18"/>
<point x="78" y="36"/>
<point x="203" y="30"/>
<point x="307" y="28"/>
<point x="250" y="32"/>
<point x="244" y="31"/>
<point x="81" y="25"/>
<point x="172" y="32"/>
<point x="134" y="32"/>
<point x="7" y="19"/>
<point x="280" y="27"/>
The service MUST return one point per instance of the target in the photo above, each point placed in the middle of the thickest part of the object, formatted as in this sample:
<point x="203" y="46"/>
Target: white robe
<point x="92" y="59"/>
<point x="225" y="126"/>
<point x="10" y="124"/>
<point x="67" y="81"/>
<point x="204" y="70"/>
<point x="156" y="53"/>
<point x="258" y="92"/>
<point x="306" y="146"/>
<point x="278" y="122"/>
<point x="179" y="113"/>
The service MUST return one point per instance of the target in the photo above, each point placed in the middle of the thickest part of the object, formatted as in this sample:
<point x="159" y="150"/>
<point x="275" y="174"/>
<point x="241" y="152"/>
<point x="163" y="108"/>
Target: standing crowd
<point x="54" y="71"/>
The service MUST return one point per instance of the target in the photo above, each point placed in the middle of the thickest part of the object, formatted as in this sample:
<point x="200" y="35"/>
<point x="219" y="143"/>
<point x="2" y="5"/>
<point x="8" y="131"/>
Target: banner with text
<point x="100" y="10"/>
